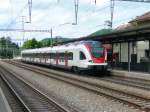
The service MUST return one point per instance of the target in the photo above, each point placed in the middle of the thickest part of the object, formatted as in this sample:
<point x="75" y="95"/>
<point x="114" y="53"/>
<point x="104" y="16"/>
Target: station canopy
<point x="132" y="34"/>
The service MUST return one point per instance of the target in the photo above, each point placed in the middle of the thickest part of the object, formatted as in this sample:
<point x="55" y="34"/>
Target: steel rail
<point x="128" y="82"/>
<point x="12" y="89"/>
<point x="13" y="102"/>
<point x="37" y="92"/>
<point x="127" y="98"/>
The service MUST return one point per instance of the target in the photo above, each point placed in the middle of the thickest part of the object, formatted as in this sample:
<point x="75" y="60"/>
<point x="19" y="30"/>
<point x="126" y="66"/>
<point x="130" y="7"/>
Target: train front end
<point x="98" y="55"/>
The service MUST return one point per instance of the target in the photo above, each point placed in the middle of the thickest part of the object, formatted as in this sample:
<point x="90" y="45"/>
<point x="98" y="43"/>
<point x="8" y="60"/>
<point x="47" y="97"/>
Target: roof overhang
<point x="136" y="34"/>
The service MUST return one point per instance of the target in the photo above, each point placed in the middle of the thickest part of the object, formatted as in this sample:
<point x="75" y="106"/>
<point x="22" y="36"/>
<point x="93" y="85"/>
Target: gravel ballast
<point x="70" y="95"/>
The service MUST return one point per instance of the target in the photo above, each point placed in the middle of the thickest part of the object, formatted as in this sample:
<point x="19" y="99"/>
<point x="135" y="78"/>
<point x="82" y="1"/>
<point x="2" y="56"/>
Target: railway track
<point x="30" y="99"/>
<point x="130" y="99"/>
<point x="137" y="83"/>
<point x="131" y="82"/>
<point x="12" y="99"/>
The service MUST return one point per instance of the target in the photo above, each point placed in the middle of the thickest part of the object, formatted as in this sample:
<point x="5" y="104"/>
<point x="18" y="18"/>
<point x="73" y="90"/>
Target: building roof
<point x="133" y="34"/>
<point x="123" y="26"/>
<point x="143" y="17"/>
<point x="100" y="32"/>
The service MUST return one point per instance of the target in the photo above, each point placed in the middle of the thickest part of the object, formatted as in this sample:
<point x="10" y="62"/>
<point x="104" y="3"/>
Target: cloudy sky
<point x="50" y="13"/>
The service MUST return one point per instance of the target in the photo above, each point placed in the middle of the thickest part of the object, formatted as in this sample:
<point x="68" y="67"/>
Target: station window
<point x="82" y="56"/>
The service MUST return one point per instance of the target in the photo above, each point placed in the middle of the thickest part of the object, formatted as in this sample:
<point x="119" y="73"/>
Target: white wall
<point x="124" y="52"/>
<point x="139" y="49"/>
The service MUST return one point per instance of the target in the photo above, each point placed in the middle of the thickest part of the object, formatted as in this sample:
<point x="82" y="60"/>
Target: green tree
<point x="7" y="48"/>
<point x="31" y="44"/>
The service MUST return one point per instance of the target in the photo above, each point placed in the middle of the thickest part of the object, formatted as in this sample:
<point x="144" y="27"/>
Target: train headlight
<point x="91" y="61"/>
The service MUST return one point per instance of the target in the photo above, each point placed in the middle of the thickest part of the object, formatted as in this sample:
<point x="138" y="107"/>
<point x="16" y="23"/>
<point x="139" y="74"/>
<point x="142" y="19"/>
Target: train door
<point x="66" y="58"/>
<point x="76" y="59"/>
<point x="82" y="58"/>
<point x="40" y="56"/>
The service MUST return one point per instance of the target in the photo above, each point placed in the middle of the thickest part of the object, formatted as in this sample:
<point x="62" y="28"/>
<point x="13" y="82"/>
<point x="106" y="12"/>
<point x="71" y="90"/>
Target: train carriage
<point x="83" y="55"/>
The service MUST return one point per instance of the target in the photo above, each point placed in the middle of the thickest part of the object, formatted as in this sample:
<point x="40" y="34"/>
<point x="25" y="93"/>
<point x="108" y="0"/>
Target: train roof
<point x="74" y="45"/>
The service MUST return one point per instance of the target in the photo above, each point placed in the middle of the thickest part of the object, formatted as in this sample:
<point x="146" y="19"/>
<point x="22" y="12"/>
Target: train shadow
<point x="85" y="73"/>
<point x="95" y="73"/>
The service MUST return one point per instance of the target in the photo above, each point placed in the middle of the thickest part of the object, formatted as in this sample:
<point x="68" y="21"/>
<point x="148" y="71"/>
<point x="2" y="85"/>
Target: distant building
<point x="142" y="20"/>
<point x="123" y="26"/>
<point x="139" y="21"/>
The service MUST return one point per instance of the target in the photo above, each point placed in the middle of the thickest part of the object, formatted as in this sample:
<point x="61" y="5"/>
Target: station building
<point x="139" y="50"/>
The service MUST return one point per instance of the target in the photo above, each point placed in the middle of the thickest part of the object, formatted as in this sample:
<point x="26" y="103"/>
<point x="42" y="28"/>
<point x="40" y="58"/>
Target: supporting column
<point x="149" y="58"/>
<point x="129" y="57"/>
<point x="112" y="55"/>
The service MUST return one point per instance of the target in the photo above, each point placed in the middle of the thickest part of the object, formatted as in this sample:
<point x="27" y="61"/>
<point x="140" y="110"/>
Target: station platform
<point x="132" y="74"/>
<point x="4" y="106"/>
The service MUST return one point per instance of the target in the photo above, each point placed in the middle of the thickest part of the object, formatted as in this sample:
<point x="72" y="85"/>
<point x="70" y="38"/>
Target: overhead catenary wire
<point x="51" y="7"/>
<point x="94" y="12"/>
<point x="145" y="1"/>
<point x="14" y="20"/>
<point x="112" y="6"/>
<point x="98" y="10"/>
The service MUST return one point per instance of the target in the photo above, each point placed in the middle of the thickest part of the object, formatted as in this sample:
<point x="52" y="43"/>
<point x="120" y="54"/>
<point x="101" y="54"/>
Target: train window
<point x="98" y="52"/>
<point x="61" y="57"/>
<point x="47" y="55"/>
<point x="96" y="48"/>
<point x="55" y="55"/>
<point x="82" y="56"/>
<point x="36" y="55"/>
<point x="51" y="55"/>
<point x="39" y="55"/>
<point x="32" y="55"/>
<point x="70" y="56"/>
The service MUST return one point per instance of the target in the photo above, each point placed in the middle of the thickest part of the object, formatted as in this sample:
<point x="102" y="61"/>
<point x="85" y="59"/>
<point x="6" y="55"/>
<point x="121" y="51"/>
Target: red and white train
<point x="82" y="55"/>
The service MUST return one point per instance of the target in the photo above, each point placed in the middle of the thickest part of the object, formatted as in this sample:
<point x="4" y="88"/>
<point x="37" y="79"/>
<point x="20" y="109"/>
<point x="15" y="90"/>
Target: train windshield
<point x="96" y="49"/>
